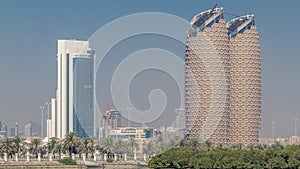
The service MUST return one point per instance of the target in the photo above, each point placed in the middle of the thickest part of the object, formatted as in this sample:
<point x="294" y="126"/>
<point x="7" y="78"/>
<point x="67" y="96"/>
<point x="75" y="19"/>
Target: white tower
<point x="66" y="50"/>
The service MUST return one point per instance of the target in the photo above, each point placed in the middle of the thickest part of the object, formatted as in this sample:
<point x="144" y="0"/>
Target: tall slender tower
<point x="207" y="78"/>
<point x="245" y="81"/>
<point x="75" y="81"/>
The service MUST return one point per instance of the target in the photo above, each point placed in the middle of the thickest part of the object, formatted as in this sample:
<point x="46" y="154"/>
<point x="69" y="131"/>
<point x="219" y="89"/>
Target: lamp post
<point x="48" y="109"/>
<point x="273" y="130"/>
<point x="42" y="120"/>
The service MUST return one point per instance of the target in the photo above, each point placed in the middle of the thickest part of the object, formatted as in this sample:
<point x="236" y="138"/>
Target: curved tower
<point x="245" y="81"/>
<point x="207" y="78"/>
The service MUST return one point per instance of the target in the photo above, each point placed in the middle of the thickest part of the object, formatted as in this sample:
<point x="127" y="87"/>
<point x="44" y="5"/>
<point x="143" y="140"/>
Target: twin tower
<point x="223" y="79"/>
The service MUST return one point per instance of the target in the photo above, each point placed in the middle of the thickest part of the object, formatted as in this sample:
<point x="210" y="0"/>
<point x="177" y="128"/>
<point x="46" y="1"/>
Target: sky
<point x="29" y="31"/>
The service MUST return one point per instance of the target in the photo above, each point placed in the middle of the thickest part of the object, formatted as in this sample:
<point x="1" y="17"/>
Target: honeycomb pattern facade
<point x="245" y="108"/>
<point x="223" y="85"/>
<point x="207" y="84"/>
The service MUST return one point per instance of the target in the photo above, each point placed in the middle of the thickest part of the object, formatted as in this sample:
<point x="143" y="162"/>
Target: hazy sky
<point x="29" y="31"/>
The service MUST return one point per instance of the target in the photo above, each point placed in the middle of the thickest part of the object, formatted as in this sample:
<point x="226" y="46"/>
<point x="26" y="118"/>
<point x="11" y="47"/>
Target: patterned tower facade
<point x="223" y="79"/>
<point x="207" y="78"/>
<point x="245" y="81"/>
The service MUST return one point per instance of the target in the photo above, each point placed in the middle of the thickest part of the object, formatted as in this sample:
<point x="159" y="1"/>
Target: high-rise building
<point x="245" y="70"/>
<point x="36" y="128"/>
<point x="74" y="96"/>
<point x="28" y="130"/>
<point x="207" y="78"/>
<point x="3" y="129"/>
<point x="16" y="129"/>
<point x="223" y="79"/>
<point x="113" y="119"/>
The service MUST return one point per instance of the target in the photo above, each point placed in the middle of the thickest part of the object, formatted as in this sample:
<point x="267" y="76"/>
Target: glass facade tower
<point x="83" y="95"/>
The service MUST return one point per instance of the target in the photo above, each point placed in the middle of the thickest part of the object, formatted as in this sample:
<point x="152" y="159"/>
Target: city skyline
<point x="29" y="72"/>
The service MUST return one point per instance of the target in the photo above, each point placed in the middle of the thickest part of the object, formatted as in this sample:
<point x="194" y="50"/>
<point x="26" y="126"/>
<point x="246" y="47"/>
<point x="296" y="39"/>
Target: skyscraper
<point x="74" y="95"/>
<point x="223" y="79"/>
<point x="245" y="80"/>
<point x="28" y="130"/>
<point x="207" y="78"/>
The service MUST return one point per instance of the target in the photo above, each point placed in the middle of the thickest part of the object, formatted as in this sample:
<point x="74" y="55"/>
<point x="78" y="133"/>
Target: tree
<point x="133" y="145"/>
<point x="17" y="143"/>
<point x="118" y="148"/>
<point x="208" y="144"/>
<point x="59" y="149"/>
<point x="108" y="145"/>
<point x="85" y="146"/>
<point x="36" y="146"/>
<point x="7" y="146"/>
<point x="51" y="145"/>
<point x="70" y="143"/>
<point x="148" y="148"/>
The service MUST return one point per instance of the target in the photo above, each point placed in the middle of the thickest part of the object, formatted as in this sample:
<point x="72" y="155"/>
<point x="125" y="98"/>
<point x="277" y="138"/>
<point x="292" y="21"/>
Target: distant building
<point x="113" y="119"/>
<point x="294" y="140"/>
<point x="28" y="130"/>
<point x="129" y="132"/>
<point x="36" y="128"/>
<point x="3" y="130"/>
<point x="12" y="132"/>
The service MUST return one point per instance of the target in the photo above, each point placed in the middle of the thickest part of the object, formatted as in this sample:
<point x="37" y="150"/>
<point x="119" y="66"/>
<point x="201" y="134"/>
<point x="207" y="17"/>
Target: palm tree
<point x="71" y="142"/>
<point x="6" y="146"/>
<point x="51" y="145"/>
<point x="85" y="146"/>
<point x="133" y="145"/>
<point x="17" y="143"/>
<point x="119" y="146"/>
<point x="108" y="145"/>
<point x="58" y="149"/>
<point x="36" y="146"/>
<point x="94" y="146"/>
<point x="148" y="148"/>
<point x="194" y="144"/>
<point x="208" y="144"/>
<point x="161" y="144"/>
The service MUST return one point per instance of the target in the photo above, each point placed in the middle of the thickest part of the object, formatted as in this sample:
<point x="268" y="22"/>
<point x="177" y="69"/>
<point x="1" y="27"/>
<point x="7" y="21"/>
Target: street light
<point x="48" y="109"/>
<point x="295" y="119"/>
<point x="273" y="130"/>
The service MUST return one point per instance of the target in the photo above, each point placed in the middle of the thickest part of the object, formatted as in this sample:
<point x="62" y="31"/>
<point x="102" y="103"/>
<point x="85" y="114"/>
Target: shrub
<point x="110" y="160"/>
<point x="67" y="161"/>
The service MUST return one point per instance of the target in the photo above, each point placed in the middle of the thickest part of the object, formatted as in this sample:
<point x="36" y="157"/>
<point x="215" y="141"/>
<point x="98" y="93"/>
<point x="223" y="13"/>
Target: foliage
<point x="110" y="160"/>
<point x="186" y="155"/>
<point x="67" y="161"/>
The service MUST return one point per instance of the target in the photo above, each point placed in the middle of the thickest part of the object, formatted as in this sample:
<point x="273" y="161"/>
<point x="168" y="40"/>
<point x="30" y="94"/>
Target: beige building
<point x="245" y="87"/>
<point x="207" y="78"/>
<point x="223" y="79"/>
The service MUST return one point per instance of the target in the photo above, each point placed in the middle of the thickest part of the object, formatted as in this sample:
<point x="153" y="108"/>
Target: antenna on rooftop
<point x="213" y="8"/>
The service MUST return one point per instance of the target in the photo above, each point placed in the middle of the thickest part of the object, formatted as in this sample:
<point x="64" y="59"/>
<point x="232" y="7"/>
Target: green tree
<point x="58" y="149"/>
<point x="51" y="145"/>
<point x="17" y="143"/>
<point x="70" y="143"/>
<point x="7" y="146"/>
<point x="108" y="145"/>
<point x="36" y="147"/>
<point x="148" y="148"/>
<point x="133" y="145"/>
